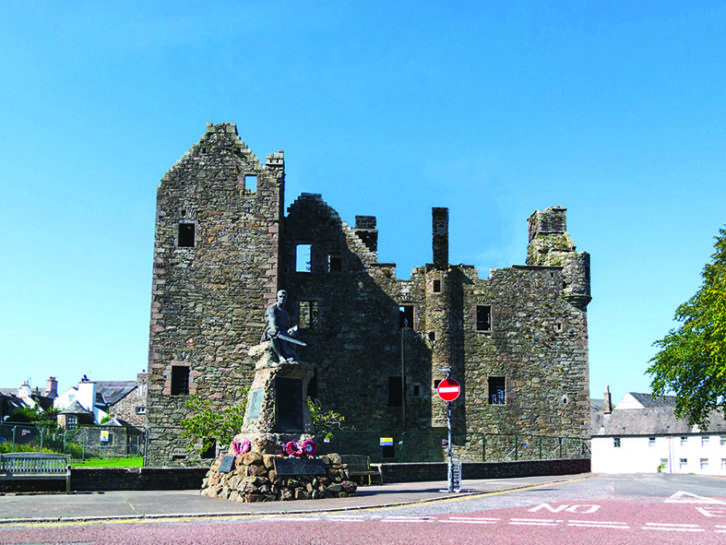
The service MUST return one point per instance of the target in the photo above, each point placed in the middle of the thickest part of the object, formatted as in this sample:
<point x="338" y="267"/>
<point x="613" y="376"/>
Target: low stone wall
<point x="437" y="471"/>
<point x="183" y="478"/>
<point x="136" y="478"/>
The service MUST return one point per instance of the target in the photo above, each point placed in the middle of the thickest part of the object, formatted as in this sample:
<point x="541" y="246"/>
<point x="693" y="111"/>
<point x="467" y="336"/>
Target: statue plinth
<point x="277" y="409"/>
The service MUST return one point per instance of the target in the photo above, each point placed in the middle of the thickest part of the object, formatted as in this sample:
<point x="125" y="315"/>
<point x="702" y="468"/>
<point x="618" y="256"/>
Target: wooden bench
<point x="360" y="466"/>
<point x="35" y="466"/>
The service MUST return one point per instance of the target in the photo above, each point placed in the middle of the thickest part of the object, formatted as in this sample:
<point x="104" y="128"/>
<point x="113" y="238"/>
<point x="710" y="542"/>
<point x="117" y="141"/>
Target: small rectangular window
<point x="483" y="318"/>
<point x="140" y="410"/>
<point x="723" y="463"/>
<point x="186" y="235"/>
<point x="432" y="336"/>
<point x="251" y="183"/>
<point x="308" y="314"/>
<point x="437" y="286"/>
<point x="405" y="316"/>
<point x="71" y="421"/>
<point x="704" y="464"/>
<point x="211" y="451"/>
<point x="497" y="391"/>
<point x="684" y="441"/>
<point x="395" y="392"/>
<point x="616" y="442"/>
<point x="704" y="440"/>
<point x="179" y="380"/>
<point x="683" y="463"/>
<point x="335" y="262"/>
<point x="723" y="440"/>
<point x="303" y="261"/>
<point x="651" y="441"/>
<point x="416" y="390"/>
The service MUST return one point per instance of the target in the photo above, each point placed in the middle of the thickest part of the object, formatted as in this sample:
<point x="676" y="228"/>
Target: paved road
<point x="642" y="509"/>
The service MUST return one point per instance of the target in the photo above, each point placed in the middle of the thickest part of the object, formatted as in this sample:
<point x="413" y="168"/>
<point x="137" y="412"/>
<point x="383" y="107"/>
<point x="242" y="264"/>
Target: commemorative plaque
<point x="255" y="404"/>
<point x="225" y="465"/>
<point x="294" y="466"/>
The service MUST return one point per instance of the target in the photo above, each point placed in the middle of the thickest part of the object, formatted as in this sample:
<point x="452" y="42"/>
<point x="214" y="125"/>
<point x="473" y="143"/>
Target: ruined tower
<point x="216" y="263"/>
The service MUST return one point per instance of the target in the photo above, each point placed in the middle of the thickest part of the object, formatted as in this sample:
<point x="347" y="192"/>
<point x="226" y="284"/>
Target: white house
<point x="642" y="435"/>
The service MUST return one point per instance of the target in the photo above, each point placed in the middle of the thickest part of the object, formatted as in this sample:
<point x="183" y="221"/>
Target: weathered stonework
<point x="516" y="341"/>
<point x="253" y="479"/>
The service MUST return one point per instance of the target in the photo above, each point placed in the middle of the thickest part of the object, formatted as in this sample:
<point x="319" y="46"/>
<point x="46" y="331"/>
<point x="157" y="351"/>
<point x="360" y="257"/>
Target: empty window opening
<point x="303" y="261"/>
<point x="179" y="380"/>
<point x="483" y="318"/>
<point x="211" y="451"/>
<point x="387" y="451"/>
<point x="313" y="386"/>
<point x="432" y="336"/>
<point x="437" y="286"/>
<point x="558" y="327"/>
<point x="335" y="262"/>
<point x="405" y="316"/>
<point x="416" y="390"/>
<point x="308" y="314"/>
<point x="395" y="392"/>
<point x="497" y="395"/>
<point x="186" y="235"/>
<point x="251" y="183"/>
<point x="436" y="384"/>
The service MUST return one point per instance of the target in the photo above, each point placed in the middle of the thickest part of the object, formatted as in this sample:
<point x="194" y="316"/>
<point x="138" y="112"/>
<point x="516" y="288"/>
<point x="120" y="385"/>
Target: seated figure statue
<point x="279" y="330"/>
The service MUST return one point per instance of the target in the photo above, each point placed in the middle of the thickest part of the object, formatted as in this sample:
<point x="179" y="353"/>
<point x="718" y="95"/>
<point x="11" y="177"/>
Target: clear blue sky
<point x="614" y="110"/>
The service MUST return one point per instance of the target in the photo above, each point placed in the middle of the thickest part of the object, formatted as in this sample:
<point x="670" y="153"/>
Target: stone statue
<point x="279" y="330"/>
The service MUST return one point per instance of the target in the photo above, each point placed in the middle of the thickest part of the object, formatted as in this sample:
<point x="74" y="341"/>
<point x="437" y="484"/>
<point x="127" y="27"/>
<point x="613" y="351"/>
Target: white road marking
<point x="670" y="527"/>
<point x="686" y="497"/>
<point x="599" y="524"/>
<point x="534" y="522"/>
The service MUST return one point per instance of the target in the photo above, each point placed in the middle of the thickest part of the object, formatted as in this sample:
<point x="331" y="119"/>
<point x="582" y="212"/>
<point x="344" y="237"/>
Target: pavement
<point x="19" y="508"/>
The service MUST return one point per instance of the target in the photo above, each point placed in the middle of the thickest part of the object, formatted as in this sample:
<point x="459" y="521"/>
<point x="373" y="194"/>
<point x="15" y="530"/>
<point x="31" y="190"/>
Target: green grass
<point x="130" y="461"/>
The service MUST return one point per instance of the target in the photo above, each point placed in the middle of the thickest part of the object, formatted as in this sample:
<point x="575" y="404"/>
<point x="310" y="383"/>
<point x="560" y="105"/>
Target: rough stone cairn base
<point x="253" y="479"/>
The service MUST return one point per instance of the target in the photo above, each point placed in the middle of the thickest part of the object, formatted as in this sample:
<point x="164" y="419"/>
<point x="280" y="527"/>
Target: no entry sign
<point x="448" y="389"/>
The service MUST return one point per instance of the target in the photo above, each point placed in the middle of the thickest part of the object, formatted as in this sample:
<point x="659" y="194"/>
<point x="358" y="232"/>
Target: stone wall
<point x="521" y="331"/>
<point x="209" y="293"/>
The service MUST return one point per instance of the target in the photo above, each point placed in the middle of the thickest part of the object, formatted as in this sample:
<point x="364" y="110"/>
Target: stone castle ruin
<point x="224" y="246"/>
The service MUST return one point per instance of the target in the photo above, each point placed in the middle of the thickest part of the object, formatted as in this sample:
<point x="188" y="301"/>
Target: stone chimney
<point x="24" y="390"/>
<point x="440" y="228"/>
<point x="51" y="388"/>
<point x="608" y="405"/>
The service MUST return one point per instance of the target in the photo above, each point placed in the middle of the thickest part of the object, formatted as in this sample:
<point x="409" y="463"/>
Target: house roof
<point x="75" y="408"/>
<point x="653" y="421"/>
<point x="648" y="401"/>
<point x="113" y="391"/>
<point x="119" y="422"/>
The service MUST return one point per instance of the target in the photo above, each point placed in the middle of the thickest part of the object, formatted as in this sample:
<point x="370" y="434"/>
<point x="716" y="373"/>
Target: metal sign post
<point x="451" y="469"/>
<point x="449" y="390"/>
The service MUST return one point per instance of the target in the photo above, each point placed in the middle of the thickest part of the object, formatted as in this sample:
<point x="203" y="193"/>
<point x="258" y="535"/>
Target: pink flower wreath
<point x="293" y="449"/>
<point x="241" y="447"/>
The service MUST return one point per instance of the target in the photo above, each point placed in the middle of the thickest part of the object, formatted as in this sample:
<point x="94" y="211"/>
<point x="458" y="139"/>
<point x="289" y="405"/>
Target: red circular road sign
<point x="448" y="389"/>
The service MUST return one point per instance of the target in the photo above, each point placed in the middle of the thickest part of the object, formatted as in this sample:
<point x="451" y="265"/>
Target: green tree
<point x="324" y="422"/>
<point x="206" y="424"/>
<point x="691" y="361"/>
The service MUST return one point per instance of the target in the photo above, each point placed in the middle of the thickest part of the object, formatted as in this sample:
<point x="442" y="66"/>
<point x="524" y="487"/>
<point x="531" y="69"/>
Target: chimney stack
<point x="440" y="227"/>
<point x="51" y="388"/>
<point x="608" y="406"/>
